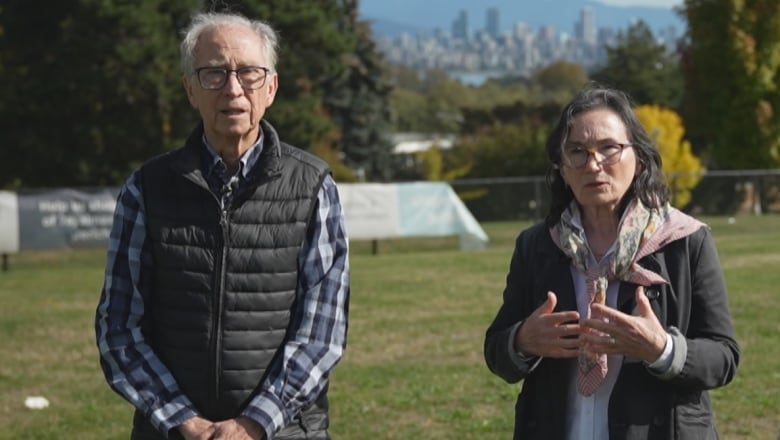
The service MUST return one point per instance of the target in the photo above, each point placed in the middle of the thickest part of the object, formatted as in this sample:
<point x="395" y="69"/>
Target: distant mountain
<point x="392" y="18"/>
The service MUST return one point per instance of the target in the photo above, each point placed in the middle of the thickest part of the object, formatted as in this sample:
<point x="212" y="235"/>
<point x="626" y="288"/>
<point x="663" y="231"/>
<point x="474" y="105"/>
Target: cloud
<point x="665" y="4"/>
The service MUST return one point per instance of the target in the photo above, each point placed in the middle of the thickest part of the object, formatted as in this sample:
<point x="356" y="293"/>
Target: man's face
<point x="232" y="113"/>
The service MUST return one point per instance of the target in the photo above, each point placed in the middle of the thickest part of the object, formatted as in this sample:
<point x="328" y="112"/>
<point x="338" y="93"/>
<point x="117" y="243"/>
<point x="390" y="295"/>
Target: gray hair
<point x="205" y="21"/>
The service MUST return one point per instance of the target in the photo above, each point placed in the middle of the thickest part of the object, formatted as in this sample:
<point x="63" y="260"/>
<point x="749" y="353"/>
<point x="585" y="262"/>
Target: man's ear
<point x="188" y="87"/>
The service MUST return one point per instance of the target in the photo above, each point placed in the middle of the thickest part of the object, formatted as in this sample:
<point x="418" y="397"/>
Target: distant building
<point x="460" y="27"/>
<point x="492" y="22"/>
<point x="586" y="27"/>
<point x="473" y="57"/>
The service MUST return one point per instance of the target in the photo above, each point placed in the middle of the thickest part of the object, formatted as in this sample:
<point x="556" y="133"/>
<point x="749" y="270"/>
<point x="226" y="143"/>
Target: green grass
<point x="413" y="367"/>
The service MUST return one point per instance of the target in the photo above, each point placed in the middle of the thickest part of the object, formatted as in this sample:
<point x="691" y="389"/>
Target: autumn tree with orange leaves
<point x="681" y="167"/>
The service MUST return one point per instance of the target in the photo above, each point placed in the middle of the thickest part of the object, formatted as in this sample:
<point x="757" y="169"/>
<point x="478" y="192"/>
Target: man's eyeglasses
<point x="576" y="156"/>
<point x="214" y="78"/>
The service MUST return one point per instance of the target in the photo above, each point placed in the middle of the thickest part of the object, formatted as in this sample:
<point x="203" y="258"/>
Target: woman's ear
<point x="562" y="173"/>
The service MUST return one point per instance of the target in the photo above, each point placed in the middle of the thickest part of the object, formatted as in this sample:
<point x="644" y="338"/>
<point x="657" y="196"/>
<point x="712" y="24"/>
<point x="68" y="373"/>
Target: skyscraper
<point x="491" y="22"/>
<point x="460" y="27"/>
<point x="586" y="28"/>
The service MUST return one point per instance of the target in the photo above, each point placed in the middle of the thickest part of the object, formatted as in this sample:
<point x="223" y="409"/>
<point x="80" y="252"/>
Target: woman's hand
<point x="641" y="337"/>
<point x="549" y="334"/>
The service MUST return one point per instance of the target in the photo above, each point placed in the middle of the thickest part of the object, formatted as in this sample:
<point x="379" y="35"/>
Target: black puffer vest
<point x="225" y="281"/>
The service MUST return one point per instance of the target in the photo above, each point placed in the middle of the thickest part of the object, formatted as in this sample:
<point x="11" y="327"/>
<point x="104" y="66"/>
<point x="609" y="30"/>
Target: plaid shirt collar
<point x="215" y="170"/>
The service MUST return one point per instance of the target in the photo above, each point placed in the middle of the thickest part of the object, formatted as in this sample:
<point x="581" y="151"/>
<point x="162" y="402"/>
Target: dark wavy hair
<point x="649" y="185"/>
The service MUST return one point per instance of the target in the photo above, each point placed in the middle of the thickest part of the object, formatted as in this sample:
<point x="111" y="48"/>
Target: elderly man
<point x="224" y="307"/>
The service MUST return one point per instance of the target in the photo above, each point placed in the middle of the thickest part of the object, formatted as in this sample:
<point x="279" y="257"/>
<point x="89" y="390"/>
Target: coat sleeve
<point x="712" y="352"/>
<point x="497" y="346"/>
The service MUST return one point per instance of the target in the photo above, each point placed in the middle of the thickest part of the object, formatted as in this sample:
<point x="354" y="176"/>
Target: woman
<point x="615" y="312"/>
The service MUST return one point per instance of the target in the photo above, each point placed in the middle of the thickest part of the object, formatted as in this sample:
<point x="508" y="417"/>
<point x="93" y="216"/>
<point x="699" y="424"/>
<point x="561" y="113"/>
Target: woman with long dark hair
<point x="615" y="313"/>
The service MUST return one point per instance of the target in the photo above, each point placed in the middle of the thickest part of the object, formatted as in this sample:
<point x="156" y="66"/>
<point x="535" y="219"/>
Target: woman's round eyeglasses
<point x="576" y="156"/>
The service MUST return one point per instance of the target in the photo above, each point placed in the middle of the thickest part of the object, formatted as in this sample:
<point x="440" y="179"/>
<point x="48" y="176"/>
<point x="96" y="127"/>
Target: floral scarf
<point x="642" y="231"/>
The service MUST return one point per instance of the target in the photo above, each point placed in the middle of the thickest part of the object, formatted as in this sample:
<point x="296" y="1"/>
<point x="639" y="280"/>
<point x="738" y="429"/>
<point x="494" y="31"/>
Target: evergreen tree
<point x="332" y="97"/>
<point x="312" y="44"/>
<point x="641" y="67"/>
<point x="91" y="88"/>
<point x="359" y="102"/>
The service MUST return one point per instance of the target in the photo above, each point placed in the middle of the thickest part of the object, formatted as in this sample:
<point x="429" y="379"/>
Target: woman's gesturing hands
<point x="549" y="334"/>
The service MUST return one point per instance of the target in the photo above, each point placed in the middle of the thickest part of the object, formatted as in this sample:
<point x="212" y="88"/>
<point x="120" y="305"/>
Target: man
<point x="224" y="308"/>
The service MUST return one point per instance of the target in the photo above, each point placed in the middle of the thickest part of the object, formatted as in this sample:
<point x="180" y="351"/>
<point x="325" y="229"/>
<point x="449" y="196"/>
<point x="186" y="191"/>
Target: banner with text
<point x="69" y="218"/>
<point x="415" y="209"/>
<point x="63" y="218"/>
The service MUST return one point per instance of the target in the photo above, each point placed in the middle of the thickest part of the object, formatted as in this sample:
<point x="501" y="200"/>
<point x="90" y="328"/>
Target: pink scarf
<point x="641" y="232"/>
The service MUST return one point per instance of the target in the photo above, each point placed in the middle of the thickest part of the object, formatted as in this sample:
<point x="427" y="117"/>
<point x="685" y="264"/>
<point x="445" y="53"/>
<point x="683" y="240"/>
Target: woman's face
<point x="596" y="185"/>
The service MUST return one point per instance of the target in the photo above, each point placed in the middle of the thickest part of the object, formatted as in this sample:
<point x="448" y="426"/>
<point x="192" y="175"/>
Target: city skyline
<point x="473" y="49"/>
<point x="391" y="19"/>
<point x="645" y="3"/>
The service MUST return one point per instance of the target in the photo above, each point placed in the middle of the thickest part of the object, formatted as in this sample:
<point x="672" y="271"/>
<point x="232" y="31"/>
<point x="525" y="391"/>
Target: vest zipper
<point x="218" y="298"/>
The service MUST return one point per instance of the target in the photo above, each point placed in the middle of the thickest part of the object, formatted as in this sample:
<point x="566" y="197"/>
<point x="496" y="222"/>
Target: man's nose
<point x="233" y="85"/>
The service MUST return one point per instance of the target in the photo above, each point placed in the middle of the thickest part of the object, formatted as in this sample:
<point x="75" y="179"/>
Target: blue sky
<point x="647" y="3"/>
<point x="416" y="16"/>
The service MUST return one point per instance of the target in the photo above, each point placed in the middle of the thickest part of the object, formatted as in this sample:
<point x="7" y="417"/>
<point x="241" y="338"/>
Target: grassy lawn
<point x="413" y="368"/>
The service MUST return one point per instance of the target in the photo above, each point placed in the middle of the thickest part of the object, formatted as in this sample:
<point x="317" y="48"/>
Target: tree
<point x="428" y="102"/>
<point x="507" y="140"/>
<point x="91" y="89"/>
<point x="641" y="67"/>
<point x="359" y="102"/>
<point x="561" y="77"/>
<point x="312" y="44"/>
<point x="506" y="150"/>
<point x="731" y="65"/>
<point x="681" y="167"/>
<point x="410" y="111"/>
<point x="333" y="97"/>
<point x="435" y="165"/>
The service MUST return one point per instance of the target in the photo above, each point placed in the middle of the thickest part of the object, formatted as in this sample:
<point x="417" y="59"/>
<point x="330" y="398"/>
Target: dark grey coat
<point x="693" y="307"/>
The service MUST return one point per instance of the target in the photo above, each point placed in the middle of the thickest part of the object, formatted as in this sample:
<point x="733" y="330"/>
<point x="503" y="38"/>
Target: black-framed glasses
<point x="576" y="156"/>
<point x="214" y="78"/>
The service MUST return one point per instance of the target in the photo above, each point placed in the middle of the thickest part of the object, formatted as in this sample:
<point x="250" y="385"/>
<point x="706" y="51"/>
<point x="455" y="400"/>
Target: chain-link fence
<point x="717" y="193"/>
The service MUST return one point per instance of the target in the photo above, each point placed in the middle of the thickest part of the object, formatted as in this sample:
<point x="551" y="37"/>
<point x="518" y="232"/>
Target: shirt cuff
<point x="664" y="362"/>
<point x="520" y="359"/>
<point x="267" y="410"/>
<point x="170" y="420"/>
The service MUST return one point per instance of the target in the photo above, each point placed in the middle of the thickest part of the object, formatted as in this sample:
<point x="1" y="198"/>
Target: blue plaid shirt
<point x="319" y="323"/>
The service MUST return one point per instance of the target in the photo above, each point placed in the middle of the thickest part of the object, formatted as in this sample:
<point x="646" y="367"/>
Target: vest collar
<point x="268" y="165"/>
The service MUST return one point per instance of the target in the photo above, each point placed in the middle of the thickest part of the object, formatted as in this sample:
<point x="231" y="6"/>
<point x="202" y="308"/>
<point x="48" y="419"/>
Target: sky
<point x="415" y="16"/>
<point x="647" y="3"/>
